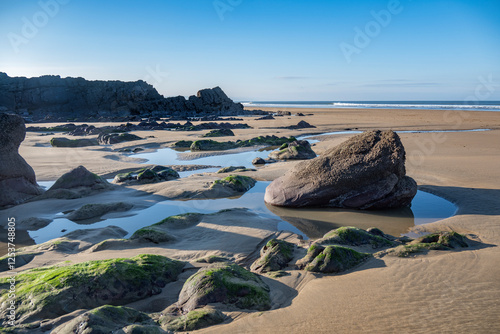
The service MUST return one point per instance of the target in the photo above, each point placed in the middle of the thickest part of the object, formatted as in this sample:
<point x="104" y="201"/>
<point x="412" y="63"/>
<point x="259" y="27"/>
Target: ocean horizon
<point x="431" y="105"/>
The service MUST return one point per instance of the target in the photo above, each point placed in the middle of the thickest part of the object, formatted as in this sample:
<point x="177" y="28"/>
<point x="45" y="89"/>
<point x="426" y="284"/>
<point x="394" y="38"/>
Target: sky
<point x="263" y="50"/>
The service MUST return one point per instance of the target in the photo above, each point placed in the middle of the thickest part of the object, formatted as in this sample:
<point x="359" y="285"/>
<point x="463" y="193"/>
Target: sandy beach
<point x="448" y="292"/>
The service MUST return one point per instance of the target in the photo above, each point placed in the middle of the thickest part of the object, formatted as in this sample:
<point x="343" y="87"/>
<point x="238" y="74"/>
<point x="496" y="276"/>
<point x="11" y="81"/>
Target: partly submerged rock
<point x="224" y="283"/>
<point x="110" y="319"/>
<point x="331" y="259"/>
<point x="89" y="211"/>
<point x="49" y="292"/>
<point x="17" y="178"/>
<point x="365" y="172"/>
<point x="258" y="161"/>
<point x="237" y="183"/>
<point x="151" y="174"/>
<point x="274" y="256"/>
<point x="65" y="142"/>
<point x="193" y="320"/>
<point x="296" y="150"/>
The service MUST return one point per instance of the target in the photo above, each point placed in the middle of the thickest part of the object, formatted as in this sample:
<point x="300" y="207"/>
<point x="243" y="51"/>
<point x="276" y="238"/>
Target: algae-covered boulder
<point x="365" y="172"/>
<point x="151" y="174"/>
<point x="65" y="142"/>
<point x="224" y="283"/>
<point x="211" y="145"/>
<point x="152" y="234"/>
<point x="237" y="169"/>
<point x="89" y="211"/>
<point x="181" y="221"/>
<point x="115" y="138"/>
<point x="435" y="241"/>
<point x="274" y="256"/>
<point x="237" y="183"/>
<point x="183" y="144"/>
<point x="331" y="259"/>
<point x="193" y="320"/>
<point x="296" y="150"/>
<point x="109" y="319"/>
<point x="353" y="236"/>
<point x="49" y="292"/>
<point x="219" y="133"/>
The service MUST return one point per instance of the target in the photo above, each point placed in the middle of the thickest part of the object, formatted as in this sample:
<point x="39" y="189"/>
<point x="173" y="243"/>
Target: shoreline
<point x="458" y="166"/>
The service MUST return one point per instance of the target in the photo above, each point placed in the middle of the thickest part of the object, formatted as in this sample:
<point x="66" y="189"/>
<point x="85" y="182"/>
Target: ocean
<point x="431" y="105"/>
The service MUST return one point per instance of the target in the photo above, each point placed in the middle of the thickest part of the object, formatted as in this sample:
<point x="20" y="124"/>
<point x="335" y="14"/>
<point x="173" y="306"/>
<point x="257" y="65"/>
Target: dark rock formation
<point x="17" y="178"/>
<point x="296" y="150"/>
<point x="237" y="169"/>
<point x="354" y="236"/>
<point x="300" y="125"/>
<point x="224" y="283"/>
<point x="238" y="183"/>
<point x="116" y="138"/>
<point x="258" y="161"/>
<point x="151" y="174"/>
<point x="89" y="211"/>
<point x="54" y="98"/>
<point x="274" y="256"/>
<point x="65" y="142"/>
<point x="196" y="319"/>
<point x="219" y="133"/>
<point x="365" y="172"/>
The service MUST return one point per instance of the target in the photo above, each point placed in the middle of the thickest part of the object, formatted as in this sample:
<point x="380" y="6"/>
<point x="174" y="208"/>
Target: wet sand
<point x="440" y="292"/>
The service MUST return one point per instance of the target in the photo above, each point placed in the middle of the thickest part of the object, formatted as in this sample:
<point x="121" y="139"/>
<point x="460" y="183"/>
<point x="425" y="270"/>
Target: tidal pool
<point x="308" y="222"/>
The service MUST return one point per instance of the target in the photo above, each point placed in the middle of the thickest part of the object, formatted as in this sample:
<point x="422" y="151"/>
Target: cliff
<point x="55" y="98"/>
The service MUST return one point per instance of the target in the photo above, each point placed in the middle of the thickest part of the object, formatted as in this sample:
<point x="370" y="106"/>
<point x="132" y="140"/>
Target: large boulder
<point x="17" y="178"/>
<point x="365" y="172"/>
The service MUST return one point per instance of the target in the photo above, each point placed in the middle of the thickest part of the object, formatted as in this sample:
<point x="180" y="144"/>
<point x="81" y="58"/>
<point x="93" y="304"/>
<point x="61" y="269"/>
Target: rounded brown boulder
<point x="365" y="172"/>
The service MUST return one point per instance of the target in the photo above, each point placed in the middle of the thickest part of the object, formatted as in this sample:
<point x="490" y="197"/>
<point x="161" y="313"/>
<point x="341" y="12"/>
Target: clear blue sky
<point x="261" y="49"/>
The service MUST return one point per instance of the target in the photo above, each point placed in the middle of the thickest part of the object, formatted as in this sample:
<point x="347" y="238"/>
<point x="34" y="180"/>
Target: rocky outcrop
<point x="53" y="98"/>
<point x="331" y="259"/>
<point x="151" y="174"/>
<point x="365" y="172"/>
<point x="17" y="178"/>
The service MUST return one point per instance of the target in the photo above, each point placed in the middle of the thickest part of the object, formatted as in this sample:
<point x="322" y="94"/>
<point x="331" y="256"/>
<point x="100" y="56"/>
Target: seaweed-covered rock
<point x="435" y="241"/>
<point x="17" y="178"/>
<point x="274" y="256"/>
<point x="219" y="133"/>
<point x="184" y="220"/>
<point x="151" y="174"/>
<point x="183" y="144"/>
<point x="152" y="234"/>
<point x="237" y="169"/>
<point x="224" y="283"/>
<point x="354" y="236"/>
<point x="109" y="319"/>
<point x="65" y="142"/>
<point x="296" y="150"/>
<point x="49" y="292"/>
<point x="212" y="259"/>
<point x="115" y="138"/>
<point x="365" y="172"/>
<point x="193" y="320"/>
<point x="237" y="183"/>
<point x="331" y="259"/>
<point x="211" y="145"/>
<point x="89" y="211"/>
